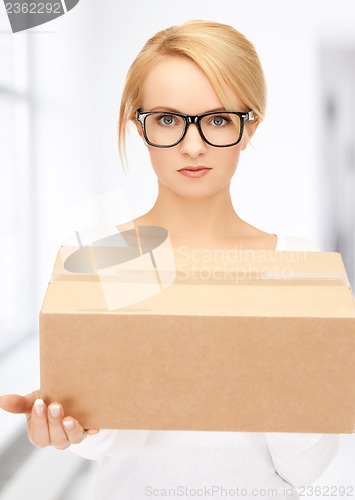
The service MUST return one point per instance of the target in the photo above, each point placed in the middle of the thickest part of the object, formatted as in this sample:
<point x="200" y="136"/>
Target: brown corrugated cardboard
<point x="219" y="339"/>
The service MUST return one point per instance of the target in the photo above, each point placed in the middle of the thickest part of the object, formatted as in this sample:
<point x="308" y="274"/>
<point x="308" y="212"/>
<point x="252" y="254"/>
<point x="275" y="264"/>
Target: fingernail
<point x="39" y="407"/>
<point x="54" y="410"/>
<point x="68" y="424"/>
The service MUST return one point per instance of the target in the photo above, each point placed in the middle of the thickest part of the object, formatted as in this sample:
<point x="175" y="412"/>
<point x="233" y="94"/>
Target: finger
<point x="37" y="425"/>
<point x="91" y="432"/>
<point x="14" y="403"/>
<point x="57" y="435"/>
<point x="74" y="430"/>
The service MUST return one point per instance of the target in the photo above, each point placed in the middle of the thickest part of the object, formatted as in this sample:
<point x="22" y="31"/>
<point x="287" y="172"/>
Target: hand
<point x="46" y="426"/>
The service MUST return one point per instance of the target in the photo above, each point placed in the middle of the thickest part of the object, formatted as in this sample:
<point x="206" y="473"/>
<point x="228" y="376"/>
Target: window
<point x="17" y="177"/>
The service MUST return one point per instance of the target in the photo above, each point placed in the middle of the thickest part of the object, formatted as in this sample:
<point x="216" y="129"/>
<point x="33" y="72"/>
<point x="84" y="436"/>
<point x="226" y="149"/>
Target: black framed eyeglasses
<point x="221" y="129"/>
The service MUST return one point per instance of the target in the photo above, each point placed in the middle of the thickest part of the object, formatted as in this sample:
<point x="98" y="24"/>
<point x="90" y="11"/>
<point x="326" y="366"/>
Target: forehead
<point x="177" y="82"/>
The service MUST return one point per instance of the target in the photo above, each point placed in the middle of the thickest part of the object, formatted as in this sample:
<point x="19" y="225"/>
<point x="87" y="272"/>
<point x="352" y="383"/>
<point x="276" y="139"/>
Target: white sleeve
<point x="114" y="443"/>
<point x="292" y="243"/>
<point x="301" y="458"/>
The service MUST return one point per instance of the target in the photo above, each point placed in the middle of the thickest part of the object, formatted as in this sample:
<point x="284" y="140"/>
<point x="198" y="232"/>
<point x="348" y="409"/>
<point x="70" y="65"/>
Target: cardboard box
<point x="137" y="335"/>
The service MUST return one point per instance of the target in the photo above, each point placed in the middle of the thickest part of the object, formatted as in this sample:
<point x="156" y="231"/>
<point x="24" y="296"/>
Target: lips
<point x="194" y="172"/>
<point x="194" y="169"/>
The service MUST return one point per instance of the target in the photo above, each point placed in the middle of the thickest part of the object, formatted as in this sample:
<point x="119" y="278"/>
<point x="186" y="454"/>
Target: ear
<point x="250" y="129"/>
<point x="139" y="130"/>
<point x="138" y="127"/>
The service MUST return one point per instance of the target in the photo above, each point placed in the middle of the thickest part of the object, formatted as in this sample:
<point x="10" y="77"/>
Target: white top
<point x="138" y="464"/>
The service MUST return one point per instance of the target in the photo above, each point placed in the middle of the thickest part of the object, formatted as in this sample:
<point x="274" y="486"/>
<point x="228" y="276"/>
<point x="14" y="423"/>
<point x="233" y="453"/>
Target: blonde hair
<point x="224" y="54"/>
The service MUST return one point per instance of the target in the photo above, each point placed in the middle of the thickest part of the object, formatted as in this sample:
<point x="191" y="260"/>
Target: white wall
<point x="79" y="75"/>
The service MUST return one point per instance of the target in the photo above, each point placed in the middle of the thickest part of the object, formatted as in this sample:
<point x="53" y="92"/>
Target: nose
<point x="193" y="144"/>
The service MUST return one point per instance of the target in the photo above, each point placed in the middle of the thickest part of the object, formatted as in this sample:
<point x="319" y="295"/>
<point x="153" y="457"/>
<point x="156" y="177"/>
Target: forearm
<point x="113" y="443"/>
<point x="301" y="458"/>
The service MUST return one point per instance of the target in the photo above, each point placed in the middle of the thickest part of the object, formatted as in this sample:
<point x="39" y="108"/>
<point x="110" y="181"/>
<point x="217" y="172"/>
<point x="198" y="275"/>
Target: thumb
<point x="14" y="403"/>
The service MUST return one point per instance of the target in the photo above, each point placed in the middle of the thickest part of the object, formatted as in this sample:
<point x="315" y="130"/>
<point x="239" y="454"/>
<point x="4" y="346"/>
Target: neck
<point x="196" y="221"/>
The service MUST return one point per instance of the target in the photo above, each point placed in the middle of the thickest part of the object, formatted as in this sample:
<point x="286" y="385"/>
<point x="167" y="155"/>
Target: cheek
<point x="161" y="158"/>
<point x="231" y="157"/>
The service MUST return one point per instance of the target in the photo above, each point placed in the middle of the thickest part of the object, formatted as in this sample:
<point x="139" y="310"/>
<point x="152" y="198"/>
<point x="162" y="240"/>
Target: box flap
<point x="212" y="282"/>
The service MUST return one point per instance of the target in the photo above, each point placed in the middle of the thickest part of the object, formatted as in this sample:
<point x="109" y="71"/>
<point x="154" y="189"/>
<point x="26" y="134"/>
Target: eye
<point x="166" y="120"/>
<point x="219" y="121"/>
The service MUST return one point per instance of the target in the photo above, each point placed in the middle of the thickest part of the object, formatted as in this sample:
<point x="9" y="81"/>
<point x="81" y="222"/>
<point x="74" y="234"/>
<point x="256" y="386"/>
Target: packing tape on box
<point x="215" y="276"/>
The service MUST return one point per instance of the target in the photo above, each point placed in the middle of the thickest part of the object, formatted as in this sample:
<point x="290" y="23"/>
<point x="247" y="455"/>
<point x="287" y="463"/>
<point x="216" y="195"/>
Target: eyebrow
<point x="173" y="110"/>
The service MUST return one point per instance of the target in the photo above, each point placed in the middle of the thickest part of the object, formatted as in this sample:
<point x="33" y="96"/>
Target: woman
<point x="196" y="94"/>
